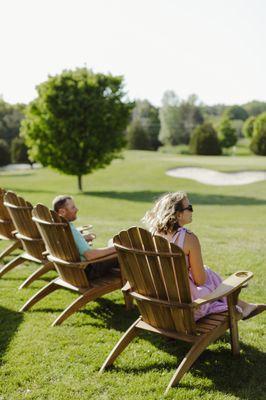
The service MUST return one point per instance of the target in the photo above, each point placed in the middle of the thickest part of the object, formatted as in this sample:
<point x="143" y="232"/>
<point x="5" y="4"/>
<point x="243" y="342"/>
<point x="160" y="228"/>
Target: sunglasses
<point x="189" y="208"/>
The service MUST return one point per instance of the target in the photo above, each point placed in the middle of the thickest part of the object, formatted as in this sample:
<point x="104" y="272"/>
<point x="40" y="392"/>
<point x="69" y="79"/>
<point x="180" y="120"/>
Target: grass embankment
<point x="41" y="362"/>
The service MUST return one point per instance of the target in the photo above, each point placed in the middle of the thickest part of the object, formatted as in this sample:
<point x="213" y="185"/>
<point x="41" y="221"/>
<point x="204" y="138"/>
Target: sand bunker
<point x="19" y="167"/>
<point x="210" y="177"/>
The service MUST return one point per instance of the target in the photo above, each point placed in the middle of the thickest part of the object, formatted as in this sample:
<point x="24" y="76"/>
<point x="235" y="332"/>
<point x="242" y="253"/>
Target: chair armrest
<point x="126" y="288"/>
<point x="227" y="287"/>
<point x="80" y="264"/>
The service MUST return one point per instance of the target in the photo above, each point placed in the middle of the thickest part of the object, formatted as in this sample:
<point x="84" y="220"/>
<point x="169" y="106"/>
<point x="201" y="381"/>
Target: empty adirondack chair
<point x="7" y="229"/>
<point x="158" y="277"/>
<point x="62" y="250"/>
<point x="27" y="232"/>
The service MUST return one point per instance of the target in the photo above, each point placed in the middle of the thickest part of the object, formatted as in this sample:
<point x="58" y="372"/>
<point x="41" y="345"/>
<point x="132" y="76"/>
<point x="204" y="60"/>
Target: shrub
<point x="19" y="151"/>
<point x="204" y="140"/>
<point x="248" y="127"/>
<point x="4" y="153"/>
<point x="137" y="136"/>
<point x="227" y="133"/>
<point x="258" y="143"/>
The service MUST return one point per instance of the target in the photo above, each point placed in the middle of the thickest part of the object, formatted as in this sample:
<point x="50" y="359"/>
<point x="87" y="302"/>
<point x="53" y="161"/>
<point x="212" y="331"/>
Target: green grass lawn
<point x="41" y="362"/>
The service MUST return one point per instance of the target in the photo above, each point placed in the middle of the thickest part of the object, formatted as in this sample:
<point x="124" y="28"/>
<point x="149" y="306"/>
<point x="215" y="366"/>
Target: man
<point x="64" y="205"/>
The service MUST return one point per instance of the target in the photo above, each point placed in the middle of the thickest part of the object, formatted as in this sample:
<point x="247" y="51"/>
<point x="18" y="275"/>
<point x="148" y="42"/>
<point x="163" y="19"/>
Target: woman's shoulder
<point x="191" y="237"/>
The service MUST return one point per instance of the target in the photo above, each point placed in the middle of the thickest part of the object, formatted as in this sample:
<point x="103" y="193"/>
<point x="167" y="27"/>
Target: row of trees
<point x="12" y="146"/>
<point x="175" y="121"/>
<point x="80" y="121"/>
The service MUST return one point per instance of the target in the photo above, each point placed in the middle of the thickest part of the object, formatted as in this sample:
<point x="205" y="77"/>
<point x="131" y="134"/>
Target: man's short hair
<point x="59" y="201"/>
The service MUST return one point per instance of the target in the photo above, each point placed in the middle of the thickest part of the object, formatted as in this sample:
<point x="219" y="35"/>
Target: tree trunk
<point x="80" y="182"/>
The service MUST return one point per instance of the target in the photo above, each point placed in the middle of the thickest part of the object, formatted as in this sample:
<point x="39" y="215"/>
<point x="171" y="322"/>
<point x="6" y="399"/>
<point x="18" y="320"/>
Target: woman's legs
<point x="250" y="309"/>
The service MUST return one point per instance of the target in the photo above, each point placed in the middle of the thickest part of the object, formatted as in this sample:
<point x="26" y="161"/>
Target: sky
<point x="213" y="48"/>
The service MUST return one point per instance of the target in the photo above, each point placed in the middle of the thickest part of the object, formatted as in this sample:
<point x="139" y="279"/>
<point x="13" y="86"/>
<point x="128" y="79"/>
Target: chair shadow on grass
<point x="196" y="198"/>
<point x="9" y="323"/>
<point x="241" y="376"/>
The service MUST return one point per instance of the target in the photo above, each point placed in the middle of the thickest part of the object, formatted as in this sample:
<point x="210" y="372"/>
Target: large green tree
<point x="77" y="122"/>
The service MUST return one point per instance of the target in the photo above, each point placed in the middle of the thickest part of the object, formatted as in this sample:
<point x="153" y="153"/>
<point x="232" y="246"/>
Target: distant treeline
<point x="150" y="127"/>
<point x="176" y="120"/>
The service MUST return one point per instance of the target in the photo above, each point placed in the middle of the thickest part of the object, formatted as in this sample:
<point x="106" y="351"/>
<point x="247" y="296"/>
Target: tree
<point x="255" y="107"/>
<point x="169" y="119"/>
<point x="227" y="134"/>
<point x="248" y="127"/>
<point x="10" y="119"/>
<point x="236" y="112"/>
<point x="258" y="143"/>
<point x="143" y="129"/>
<point x="190" y="116"/>
<point x="204" y="140"/>
<point x="19" y="151"/>
<point x="77" y="122"/>
<point x="137" y="136"/>
<point x="178" y="118"/>
<point x="4" y="153"/>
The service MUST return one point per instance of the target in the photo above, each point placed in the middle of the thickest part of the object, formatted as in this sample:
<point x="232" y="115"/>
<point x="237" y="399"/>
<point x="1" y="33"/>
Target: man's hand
<point x="89" y="237"/>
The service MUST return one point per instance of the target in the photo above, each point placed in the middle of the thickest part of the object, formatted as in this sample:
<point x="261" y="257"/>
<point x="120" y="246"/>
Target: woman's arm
<point x="193" y="249"/>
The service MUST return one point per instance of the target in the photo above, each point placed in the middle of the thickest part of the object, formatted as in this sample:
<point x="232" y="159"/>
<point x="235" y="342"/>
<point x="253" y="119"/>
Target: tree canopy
<point x="236" y="112"/>
<point x="204" y="140"/>
<point x="143" y="129"/>
<point x="10" y="119"/>
<point x="77" y="122"/>
<point x="258" y="142"/>
<point x="178" y="118"/>
<point x="227" y="133"/>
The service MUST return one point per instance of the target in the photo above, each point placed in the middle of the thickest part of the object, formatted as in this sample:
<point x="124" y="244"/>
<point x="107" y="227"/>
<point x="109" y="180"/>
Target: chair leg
<point x="12" y="264"/>
<point x="127" y="298"/>
<point x="128" y="301"/>
<point x="51" y="287"/>
<point x="9" y="249"/>
<point x="194" y="353"/>
<point x="128" y="336"/>
<point x="36" y="274"/>
<point x="231" y="301"/>
<point x="90" y="294"/>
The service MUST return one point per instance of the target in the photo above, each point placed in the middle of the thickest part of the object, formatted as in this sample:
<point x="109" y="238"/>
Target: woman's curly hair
<point x="162" y="217"/>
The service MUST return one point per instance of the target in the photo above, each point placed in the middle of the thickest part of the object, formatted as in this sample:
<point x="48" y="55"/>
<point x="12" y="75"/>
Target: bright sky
<point x="213" y="48"/>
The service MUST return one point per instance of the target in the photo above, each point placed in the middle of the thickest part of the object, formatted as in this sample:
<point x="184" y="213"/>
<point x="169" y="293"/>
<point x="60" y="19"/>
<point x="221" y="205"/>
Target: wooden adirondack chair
<point x="158" y="277"/>
<point x="27" y="232"/>
<point x="60" y="244"/>
<point x="7" y="229"/>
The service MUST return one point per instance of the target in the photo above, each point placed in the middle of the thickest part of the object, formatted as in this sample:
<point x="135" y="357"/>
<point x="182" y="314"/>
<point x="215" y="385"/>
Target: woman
<point x="167" y="218"/>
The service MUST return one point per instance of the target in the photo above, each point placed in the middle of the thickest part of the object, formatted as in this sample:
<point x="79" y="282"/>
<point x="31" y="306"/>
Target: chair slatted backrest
<point x="20" y="212"/>
<point x="6" y="223"/>
<point x="59" y="241"/>
<point x="157" y="272"/>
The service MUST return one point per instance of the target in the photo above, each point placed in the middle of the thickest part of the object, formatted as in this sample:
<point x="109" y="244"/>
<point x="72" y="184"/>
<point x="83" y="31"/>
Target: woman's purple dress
<point x="212" y="281"/>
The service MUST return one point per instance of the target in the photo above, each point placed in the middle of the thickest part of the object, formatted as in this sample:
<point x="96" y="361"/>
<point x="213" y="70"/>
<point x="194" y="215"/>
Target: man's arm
<point x="99" y="253"/>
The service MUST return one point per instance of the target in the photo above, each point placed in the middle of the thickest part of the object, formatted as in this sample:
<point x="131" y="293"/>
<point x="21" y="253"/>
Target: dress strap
<point x="179" y="237"/>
